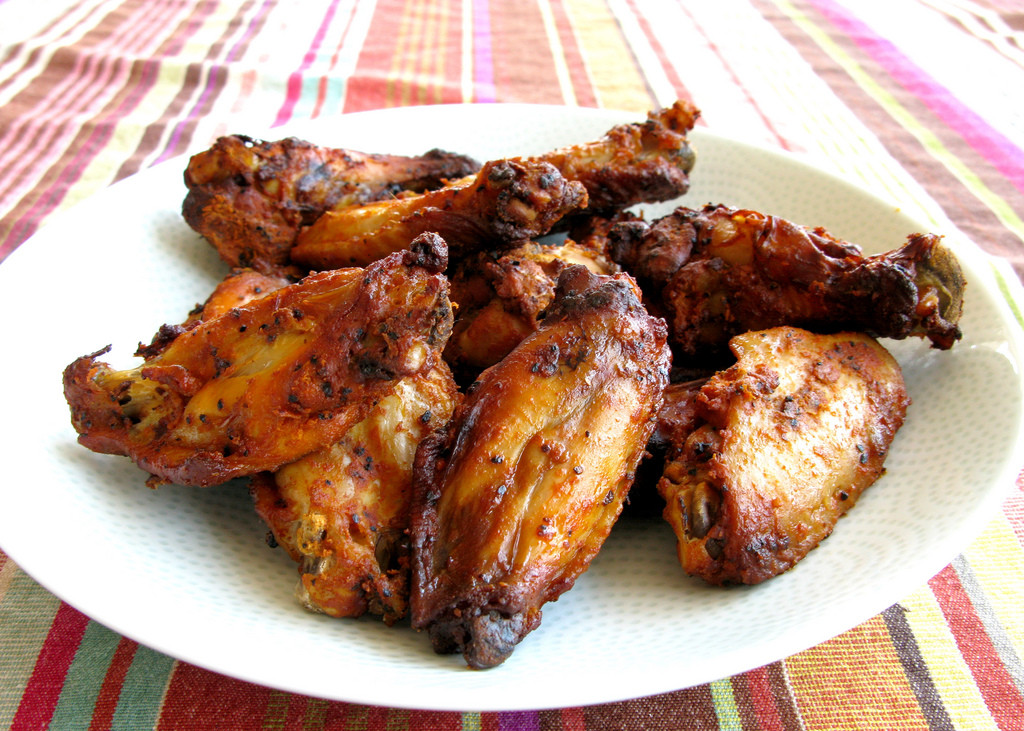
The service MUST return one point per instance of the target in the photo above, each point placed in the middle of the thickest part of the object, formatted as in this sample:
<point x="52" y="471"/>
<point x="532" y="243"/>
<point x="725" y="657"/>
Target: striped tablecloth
<point x="923" y="97"/>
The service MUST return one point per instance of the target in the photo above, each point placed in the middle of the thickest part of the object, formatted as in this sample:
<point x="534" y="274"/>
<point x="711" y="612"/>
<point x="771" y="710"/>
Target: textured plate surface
<point x="187" y="572"/>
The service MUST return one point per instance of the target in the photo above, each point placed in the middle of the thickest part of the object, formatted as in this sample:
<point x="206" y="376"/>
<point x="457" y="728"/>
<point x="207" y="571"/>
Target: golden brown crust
<point x="249" y="197"/>
<point x="272" y="380"/>
<point x="786" y="441"/>
<point x="720" y="271"/>
<point x="343" y="512"/>
<point x="516" y="496"/>
<point x="506" y="202"/>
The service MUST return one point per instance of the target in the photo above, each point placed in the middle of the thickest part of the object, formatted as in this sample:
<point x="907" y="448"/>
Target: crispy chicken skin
<point x="501" y="296"/>
<point x="640" y="162"/>
<point x="506" y="202"/>
<point x="516" y="496"/>
<point x="239" y="287"/>
<point x="720" y="271"/>
<point x="519" y="198"/>
<point x="249" y="197"/>
<point x="273" y="380"/>
<point x="786" y="441"/>
<point x="343" y="512"/>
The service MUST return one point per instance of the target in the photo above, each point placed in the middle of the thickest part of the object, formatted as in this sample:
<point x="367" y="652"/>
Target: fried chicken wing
<point x="501" y="295"/>
<point x="236" y="289"/>
<point x="343" y="512"/>
<point x="273" y="380"/>
<point x="721" y="271"/>
<point x="785" y="442"/>
<point x="516" y="496"/>
<point x="640" y="162"/>
<point x="507" y="201"/>
<point x="249" y="197"/>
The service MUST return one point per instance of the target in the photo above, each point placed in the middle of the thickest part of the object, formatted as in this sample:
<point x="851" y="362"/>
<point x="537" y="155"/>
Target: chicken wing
<point x="273" y="380"/>
<point x="507" y="201"/>
<point x="721" y="271"/>
<point x="515" y="497"/>
<point x="786" y="441"/>
<point x="236" y="289"/>
<point x="249" y="197"/>
<point x="343" y="512"/>
<point x="519" y="198"/>
<point x="500" y="297"/>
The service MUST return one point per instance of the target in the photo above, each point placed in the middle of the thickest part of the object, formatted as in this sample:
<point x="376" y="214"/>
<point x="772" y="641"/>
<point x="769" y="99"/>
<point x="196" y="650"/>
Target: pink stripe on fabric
<point x="1001" y="152"/>
<point x="179" y="128"/>
<point x="93" y="74"/>
<point x="483" y="55"/>
<point x="321" y="93"/>
<point x="42" y="692"/>
<point x="295" y="78"/>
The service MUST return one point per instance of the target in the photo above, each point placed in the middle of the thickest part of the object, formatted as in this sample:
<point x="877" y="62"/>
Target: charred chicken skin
<point x="273" y="380"/>
<point x="720" y="271"/>
<point x="514" y="498"/>
<point x="506" y="202"/>
<point x="343" y="512"/>
<point x="784" y="443"/>
<point x="249" y="197"/>
<point x="501" y="295"/>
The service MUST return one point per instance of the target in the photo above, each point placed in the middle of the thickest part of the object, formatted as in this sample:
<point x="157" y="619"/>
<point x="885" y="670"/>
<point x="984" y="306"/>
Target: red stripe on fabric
<point x="573" y="719"/>
<point x="295" y="79"/>
<point x="113" y="681"/>
<point x="763" y="701"/>
<point x="582" y="87"/>
<point x="367" y="89"/>
<point x="1001" y="152"/>
<point x="678" y="87"/>
<point x="39" y="699"/>
<point x="997" y="687"/>
<point x="197" y="698"/>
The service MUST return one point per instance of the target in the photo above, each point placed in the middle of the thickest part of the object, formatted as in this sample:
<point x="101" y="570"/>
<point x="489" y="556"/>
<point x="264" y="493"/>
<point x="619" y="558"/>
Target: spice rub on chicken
<point x="273" y="380"/>
<point x="250" y="197"/>
<point x="784" y="443"/>
<point x="718" y="271"/>
<point x="514" y="498"/>
<point x="342" y="513"/>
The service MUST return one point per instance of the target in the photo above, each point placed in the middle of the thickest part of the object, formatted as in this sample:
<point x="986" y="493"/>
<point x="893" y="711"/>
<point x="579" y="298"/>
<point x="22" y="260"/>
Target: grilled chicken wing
<point x="785" y="442"/>
<point x="721" y="271"/>
<point x="515" y="497"/>
<point x="343" y="512"/>
<point x="507" y="201"/>
<point x="500" y="297"/>
<point x="249" y="197"/>
<point x="273" y="380"/>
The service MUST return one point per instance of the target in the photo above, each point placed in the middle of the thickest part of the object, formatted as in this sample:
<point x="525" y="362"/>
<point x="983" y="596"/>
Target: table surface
<point x="927" y="93"/>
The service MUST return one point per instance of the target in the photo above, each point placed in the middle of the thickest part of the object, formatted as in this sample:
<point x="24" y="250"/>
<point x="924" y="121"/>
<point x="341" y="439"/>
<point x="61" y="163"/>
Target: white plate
<point x="187" y="572"/>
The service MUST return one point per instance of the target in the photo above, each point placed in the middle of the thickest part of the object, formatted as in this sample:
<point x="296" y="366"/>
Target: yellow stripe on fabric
<point x="470" y="721"/>
<point x="995" y="555"/>
<point x="725" y="706"/>
<point x="862" y="666"/>
<point x="949" y="673"/>
<point x="557" y="53"/>
<point x="612" y="69"/>
<point x="998" y="205"/>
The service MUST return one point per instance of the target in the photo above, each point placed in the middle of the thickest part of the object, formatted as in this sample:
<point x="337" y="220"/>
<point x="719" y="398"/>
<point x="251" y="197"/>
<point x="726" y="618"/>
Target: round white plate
<point x="187" y="572"/>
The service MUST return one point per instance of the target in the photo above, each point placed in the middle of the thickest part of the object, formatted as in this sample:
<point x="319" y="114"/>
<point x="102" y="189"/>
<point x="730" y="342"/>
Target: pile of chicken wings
<point x="440" y="378"/>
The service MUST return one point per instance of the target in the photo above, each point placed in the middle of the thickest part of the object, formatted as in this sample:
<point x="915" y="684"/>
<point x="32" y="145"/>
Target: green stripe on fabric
<point x="470" y="721"/>
<point x="142" y="693"/>
<point x="22" y="633"/>
<point x="926" y="137"/>
<point x="277" y="711"/>
<point x="725" y="706"/>
<point x="85" y="677"/>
